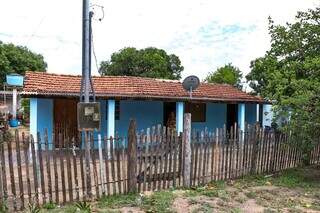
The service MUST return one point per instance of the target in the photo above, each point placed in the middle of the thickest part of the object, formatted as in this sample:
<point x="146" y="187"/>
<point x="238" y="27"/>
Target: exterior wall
<point x="216" y="117"/>
<point x="41" y="117"/>
<point x="146" y="114"/>
<point x="251" y="114"/>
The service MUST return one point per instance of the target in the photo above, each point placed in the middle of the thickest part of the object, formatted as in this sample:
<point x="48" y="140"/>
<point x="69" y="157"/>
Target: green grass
<point x="117" y="201"/>
<point x="289" y="178"/>
<point x="159" y="202"/>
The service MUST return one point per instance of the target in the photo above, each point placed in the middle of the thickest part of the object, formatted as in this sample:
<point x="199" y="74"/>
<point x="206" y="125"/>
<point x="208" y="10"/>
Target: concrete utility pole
<point x="85" y="84"/>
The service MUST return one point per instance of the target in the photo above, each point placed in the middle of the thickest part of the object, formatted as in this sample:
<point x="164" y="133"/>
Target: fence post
<point x="186" y="144"/>
<point x="256" y="132"/>
<point x="132" y="157"/>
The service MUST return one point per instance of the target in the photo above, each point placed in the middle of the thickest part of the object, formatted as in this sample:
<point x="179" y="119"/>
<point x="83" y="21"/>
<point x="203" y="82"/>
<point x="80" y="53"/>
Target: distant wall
<point x="216" y="116"/>
<point x="251" y="114"/>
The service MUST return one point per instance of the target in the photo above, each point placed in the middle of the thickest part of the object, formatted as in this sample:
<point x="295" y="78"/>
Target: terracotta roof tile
<point x="48" y="84"/>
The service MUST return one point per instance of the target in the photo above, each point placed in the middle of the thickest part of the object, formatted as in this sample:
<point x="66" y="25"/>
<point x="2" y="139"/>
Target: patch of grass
<point x="159" y="202"/>
<point x="84" y="206"/>
<point x="205" y="208"/>
<point x="235" y="210"/>
<point x="117" y="201"/>
<point x="251" y="195"/>
<point x="49" y="205"/>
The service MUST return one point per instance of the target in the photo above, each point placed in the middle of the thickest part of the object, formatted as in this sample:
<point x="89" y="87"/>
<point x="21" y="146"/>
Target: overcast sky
<point x="205" y="34"/>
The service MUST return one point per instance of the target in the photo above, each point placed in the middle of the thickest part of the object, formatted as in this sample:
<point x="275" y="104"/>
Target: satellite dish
<point x="191" y="83"/>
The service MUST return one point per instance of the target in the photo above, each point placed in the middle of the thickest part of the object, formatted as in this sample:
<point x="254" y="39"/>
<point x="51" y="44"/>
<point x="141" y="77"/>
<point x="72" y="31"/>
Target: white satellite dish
<point x="190" y="83"/>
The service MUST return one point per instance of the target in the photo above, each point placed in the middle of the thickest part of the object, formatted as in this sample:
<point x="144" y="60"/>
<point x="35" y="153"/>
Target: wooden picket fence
<point x="36" y="171"/>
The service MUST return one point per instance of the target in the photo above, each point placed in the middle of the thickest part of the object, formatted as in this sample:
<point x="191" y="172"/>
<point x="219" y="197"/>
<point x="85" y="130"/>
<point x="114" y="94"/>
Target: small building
<point x="54" y="98"/>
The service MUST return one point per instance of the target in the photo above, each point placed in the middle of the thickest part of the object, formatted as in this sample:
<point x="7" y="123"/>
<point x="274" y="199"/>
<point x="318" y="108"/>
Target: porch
<point x="59" y="115"/>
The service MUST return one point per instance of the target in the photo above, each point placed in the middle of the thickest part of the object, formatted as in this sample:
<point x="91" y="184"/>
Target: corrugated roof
<point x="48" y="84"/>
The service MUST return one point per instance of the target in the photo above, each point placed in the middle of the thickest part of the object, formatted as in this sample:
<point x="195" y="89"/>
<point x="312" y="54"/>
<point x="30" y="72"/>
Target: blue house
<point x="53" y="104"/>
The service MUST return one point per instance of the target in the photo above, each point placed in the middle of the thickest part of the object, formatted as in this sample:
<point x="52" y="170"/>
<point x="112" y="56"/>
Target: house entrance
<point x="169" y="114"/>
<point x="65" y="122"/>
<point x="232" y="115"/>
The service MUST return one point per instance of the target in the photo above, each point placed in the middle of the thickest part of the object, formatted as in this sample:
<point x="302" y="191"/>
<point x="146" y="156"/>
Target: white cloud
<point x="205" y="34"/>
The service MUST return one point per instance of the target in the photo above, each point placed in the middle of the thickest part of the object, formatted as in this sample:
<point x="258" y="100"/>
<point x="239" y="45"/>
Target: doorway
<point x="169" y="114"/>
<point x="232" y="115"/>
<point x="65" y="122"/>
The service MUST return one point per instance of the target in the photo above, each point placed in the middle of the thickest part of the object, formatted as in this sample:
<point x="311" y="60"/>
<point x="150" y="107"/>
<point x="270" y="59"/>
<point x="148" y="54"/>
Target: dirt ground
<point x="294" y="190"/>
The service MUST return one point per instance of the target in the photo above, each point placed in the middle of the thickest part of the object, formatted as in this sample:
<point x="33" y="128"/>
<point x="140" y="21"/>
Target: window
<point x="117" y="110"/>
<point x="197" y="110"/>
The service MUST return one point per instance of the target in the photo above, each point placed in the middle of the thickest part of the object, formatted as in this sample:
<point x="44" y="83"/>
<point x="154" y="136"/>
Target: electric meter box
<point x="89" y="117"/>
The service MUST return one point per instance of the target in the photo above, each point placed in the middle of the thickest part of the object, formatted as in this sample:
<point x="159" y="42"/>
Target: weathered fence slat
<point x="18" y="154"/>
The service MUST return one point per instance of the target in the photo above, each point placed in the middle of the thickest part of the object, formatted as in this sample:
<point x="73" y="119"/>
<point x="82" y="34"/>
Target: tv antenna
<point x="190" y="83"/>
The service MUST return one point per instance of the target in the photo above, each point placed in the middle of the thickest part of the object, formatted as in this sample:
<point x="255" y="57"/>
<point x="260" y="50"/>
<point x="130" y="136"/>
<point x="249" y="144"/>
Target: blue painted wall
<point x="41" y="117"/>
<point x="146" y="114"/>
<point x="216" y="116"/>
<point x="251" y="114"/>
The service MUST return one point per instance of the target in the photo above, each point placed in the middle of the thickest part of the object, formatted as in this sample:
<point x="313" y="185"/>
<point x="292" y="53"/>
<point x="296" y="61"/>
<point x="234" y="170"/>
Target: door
<point x="169" y="114"/>
<point x="65" y="122"/>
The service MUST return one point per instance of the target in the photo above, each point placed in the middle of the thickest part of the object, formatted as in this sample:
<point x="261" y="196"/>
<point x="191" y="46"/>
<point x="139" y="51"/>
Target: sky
<point x="205" y="34"/>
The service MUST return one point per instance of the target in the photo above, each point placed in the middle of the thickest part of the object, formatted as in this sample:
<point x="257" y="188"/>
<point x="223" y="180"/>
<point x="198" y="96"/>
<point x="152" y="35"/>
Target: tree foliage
<point x="289" y="74"/>
<point x="18" y="59"/>
<point x="228" y="74"/>
<point x="148" y="62"/>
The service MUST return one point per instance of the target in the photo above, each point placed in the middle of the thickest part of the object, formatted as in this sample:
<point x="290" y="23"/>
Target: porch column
<point x="258" y="113"/>
<point x="34" y="118"/>
<point x="111" y="118"/>
<point x="241" y="116"/>
<point x="179" y="116"/>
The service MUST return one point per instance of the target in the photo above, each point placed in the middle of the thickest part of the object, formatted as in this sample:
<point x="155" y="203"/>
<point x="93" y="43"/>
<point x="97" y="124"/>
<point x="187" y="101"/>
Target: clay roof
<point x="48" y="84"/>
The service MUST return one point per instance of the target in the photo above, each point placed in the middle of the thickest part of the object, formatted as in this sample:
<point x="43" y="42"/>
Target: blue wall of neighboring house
<point x="216" y="116"/>
<point x="146" y="114"/>
<point x="251" y="114"/>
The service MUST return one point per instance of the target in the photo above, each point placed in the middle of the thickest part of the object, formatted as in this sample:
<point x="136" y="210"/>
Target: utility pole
<point x="86" y="40"/>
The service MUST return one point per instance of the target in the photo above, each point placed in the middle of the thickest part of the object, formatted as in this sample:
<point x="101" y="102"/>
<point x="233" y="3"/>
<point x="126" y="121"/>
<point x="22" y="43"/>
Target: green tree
<point x="228" y="74"/>
<point x="18" y="59"/>
<point x="289" y="75"/>
<point x="148" y="62"/>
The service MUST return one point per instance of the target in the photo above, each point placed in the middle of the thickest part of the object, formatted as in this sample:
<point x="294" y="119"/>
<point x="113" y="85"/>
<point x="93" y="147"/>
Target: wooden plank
<point x="119" y="166"/>
<point x="145" y="162"/>
<point x="48" y="170"/>
<point x="196" y="158"/>
<point x="112" y="161"/>
<point x="94" y="166"/>
<point x="161" y="161"/>
<point x="42" y="181"/>
<point x="55" y="169"/>
<point x="75" y="169"/>
<point x="156" y="158"/>
<point x="150" y="157"/>
<point x="18" y="154"/>
<point x="132" y="157"/>
<point x="124" y="167"/>
<point x="26" y="157"/>
<point x="62" y="173"/>
<point x="106" y="159"/>
<point x="205" y="148"/>
<point x="165" y="159"/>
<point x="238" y="154"/>
<point x="69" y="170"/>
<point x="11" y="171"/>
<point x="169" y="157"/>
<point x="187" y="149"/>
<point x="192" y="182"/>
<point x="174" y="152"/>
<point x="35" y="171"/>
<point x="229" y="164"/>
